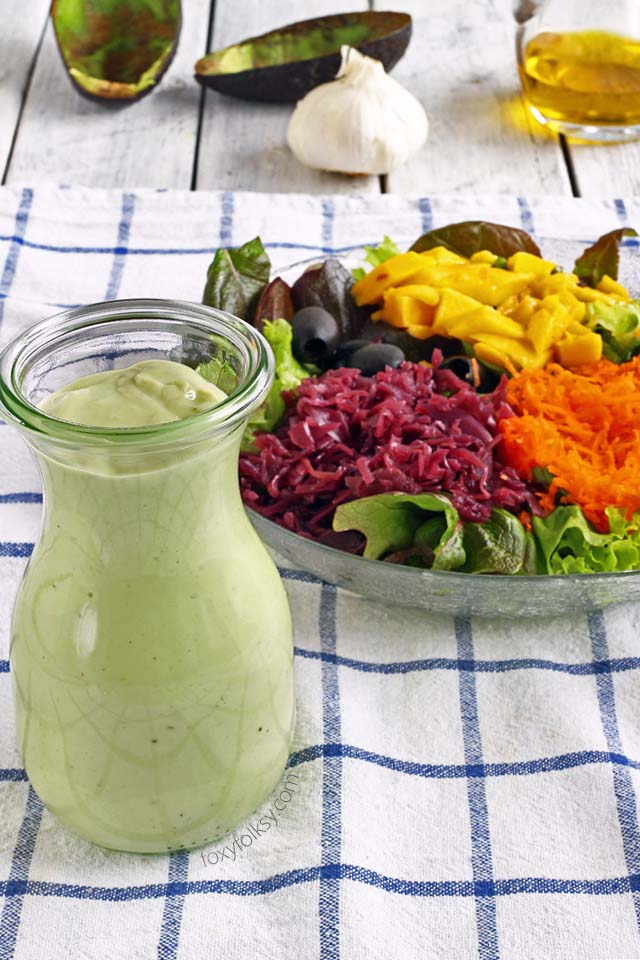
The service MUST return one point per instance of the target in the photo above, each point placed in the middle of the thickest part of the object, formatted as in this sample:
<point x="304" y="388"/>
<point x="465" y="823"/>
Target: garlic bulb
<point x="364" y="121"/>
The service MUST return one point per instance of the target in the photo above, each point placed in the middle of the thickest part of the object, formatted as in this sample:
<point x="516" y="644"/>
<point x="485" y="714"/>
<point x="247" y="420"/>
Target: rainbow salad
<point x="465" y="405"/>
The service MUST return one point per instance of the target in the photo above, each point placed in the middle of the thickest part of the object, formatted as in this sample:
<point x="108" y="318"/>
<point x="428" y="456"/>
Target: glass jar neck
<point x="107" y="336"/>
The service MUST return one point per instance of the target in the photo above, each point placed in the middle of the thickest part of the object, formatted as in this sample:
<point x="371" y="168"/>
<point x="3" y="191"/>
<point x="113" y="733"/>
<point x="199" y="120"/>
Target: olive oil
<point x="585" y="78"/>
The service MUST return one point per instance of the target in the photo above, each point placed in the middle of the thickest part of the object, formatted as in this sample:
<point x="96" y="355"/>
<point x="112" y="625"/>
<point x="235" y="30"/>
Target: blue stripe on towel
<point x="622" y="782"/>
<point x="432" y="771"/>
<point x="329" y="905"/>
<point x="526" y="215"/>
<point x="120" y="251"/>
<point x="15" y="245"/>
<point x="426" y="214"/>
<point x="226" y="218"/>
<point x="615" y="665"/>
<point x="173" y="906"/>
<point x="513" y="886"/>
<point x="453" y="771"/>
<point x="17" y="883"/>
<point x="621" y="211"/>
<point x="326" y="228"/>
<point x="8" y="549"/>
<point x="476" y="791"/>
<point x="21" y="497"/>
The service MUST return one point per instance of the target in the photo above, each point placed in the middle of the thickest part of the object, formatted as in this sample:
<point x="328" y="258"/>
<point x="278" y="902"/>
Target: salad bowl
<point x="529" y="588"/>
<point x="449" y="591"/>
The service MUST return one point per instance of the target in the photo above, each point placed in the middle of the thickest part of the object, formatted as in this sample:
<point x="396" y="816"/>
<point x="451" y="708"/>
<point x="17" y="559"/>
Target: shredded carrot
<point x="508" y="366"/>
<point x="475" y="370"/>
<point x="525" y="519"/>
<point x="583" y="425"/>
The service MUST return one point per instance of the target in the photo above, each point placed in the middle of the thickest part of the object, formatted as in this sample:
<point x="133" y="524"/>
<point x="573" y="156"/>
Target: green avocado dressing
<point x="151" y="648"/>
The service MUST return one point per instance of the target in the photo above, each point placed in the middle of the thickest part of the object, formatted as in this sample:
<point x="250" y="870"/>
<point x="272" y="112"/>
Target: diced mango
<point x="555" y="283"/>
<point x="516" y="318"/>
<point x="574" y="351"/>
<point x="520" y="353"/>
<point x="607" y="285"/>
<point x="421" y="331"/>
<point x="403" y="311"/>
<point x="573" y="329"/>
<point x="483" y="256"/>
<point x="524" y="308"/>
<point x="588" y="294"/>
<point x="394" y="271"/>
<point x="443" y="255"/>
<point x="511" y="304"/>
<point x="477" y="324"/>
<point x="523" y="262"/>
<point x="574" y="307"/>
<point x="485" y="283"/>
<point x="541" y="330"/>
<point x="421" y="291"/>
<point x="554" y="305"/>
<point x="453" y="304"/>
<point x="492" y="357"/>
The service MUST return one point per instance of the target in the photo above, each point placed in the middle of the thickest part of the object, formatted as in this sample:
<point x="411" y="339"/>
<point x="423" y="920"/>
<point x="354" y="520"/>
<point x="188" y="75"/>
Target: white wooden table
<point x="460" y="64"/>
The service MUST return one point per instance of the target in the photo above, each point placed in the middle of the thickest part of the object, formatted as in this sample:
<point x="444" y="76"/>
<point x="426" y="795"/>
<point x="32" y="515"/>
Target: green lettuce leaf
<point x="498" y="546"/>
<point x="289" y="374"/>
<point x="236" y="278"/>
<point x="618" y="324"/>
<point x="219" y="371"/>
<point x="393" y="522"/>
<point x="568" y="543"/>
<point x="425" y="530"/>
<point x="471" y="236"/>
<point x="377" y="255"/>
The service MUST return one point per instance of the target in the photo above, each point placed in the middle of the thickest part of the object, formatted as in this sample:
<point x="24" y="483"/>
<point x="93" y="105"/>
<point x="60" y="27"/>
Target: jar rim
<point x="236" y="407"/>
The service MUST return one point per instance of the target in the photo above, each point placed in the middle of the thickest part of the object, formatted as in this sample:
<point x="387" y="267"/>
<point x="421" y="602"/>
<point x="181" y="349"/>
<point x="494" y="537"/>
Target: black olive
<point x="459" y="365"/>
<point x="315" y="335"/>
<point x="375" y="357"/>
<point x="463" y="367"/>
<point x="413" y="348"/>
<point x="345" y="350"/>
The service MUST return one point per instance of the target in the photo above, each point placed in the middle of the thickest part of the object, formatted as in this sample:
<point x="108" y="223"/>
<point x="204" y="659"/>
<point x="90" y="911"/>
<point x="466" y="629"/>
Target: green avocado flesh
<point x="114" y="49"/>
<point x="283" y="47"/>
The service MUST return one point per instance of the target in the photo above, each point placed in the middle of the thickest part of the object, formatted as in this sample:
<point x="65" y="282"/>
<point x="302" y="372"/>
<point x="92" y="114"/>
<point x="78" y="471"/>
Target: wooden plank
<point x="67" y="139"/>
<point x="243" y="145"/>
<point x="606" y="170"/>
<point x="19" y="38"/>
<point x="461" y="66"/>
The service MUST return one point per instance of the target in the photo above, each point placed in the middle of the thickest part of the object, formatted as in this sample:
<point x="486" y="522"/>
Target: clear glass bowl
<point x="446" y="592"/>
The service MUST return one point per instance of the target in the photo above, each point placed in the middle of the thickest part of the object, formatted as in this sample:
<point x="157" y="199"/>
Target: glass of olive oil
<point x="579" y="64"/>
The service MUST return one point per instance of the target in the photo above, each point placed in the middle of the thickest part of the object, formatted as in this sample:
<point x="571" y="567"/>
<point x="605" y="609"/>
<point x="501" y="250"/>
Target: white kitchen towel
<point x="456" y="789"/>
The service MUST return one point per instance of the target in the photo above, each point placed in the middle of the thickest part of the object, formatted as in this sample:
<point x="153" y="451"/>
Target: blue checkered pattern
<point x="466" y="790"/>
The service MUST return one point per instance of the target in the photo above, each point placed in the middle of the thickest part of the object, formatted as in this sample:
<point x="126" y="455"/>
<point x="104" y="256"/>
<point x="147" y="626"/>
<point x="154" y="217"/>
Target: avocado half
<point x="116" y="52"/>
<point x="284" y="64"/>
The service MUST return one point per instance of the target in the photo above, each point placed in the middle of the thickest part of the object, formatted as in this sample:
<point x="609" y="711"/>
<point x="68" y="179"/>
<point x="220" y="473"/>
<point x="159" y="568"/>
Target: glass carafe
<point x="151" y="645"/>
<point x="579" y="64"/>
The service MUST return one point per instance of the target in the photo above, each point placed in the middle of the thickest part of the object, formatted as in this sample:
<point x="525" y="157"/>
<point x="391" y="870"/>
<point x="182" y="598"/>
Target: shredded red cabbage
<point x="411" y="430"/>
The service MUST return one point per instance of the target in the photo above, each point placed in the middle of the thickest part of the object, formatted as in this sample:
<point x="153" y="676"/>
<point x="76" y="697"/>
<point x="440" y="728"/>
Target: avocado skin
<point x="289" y="82"/>
<point x="107" y="98"/>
